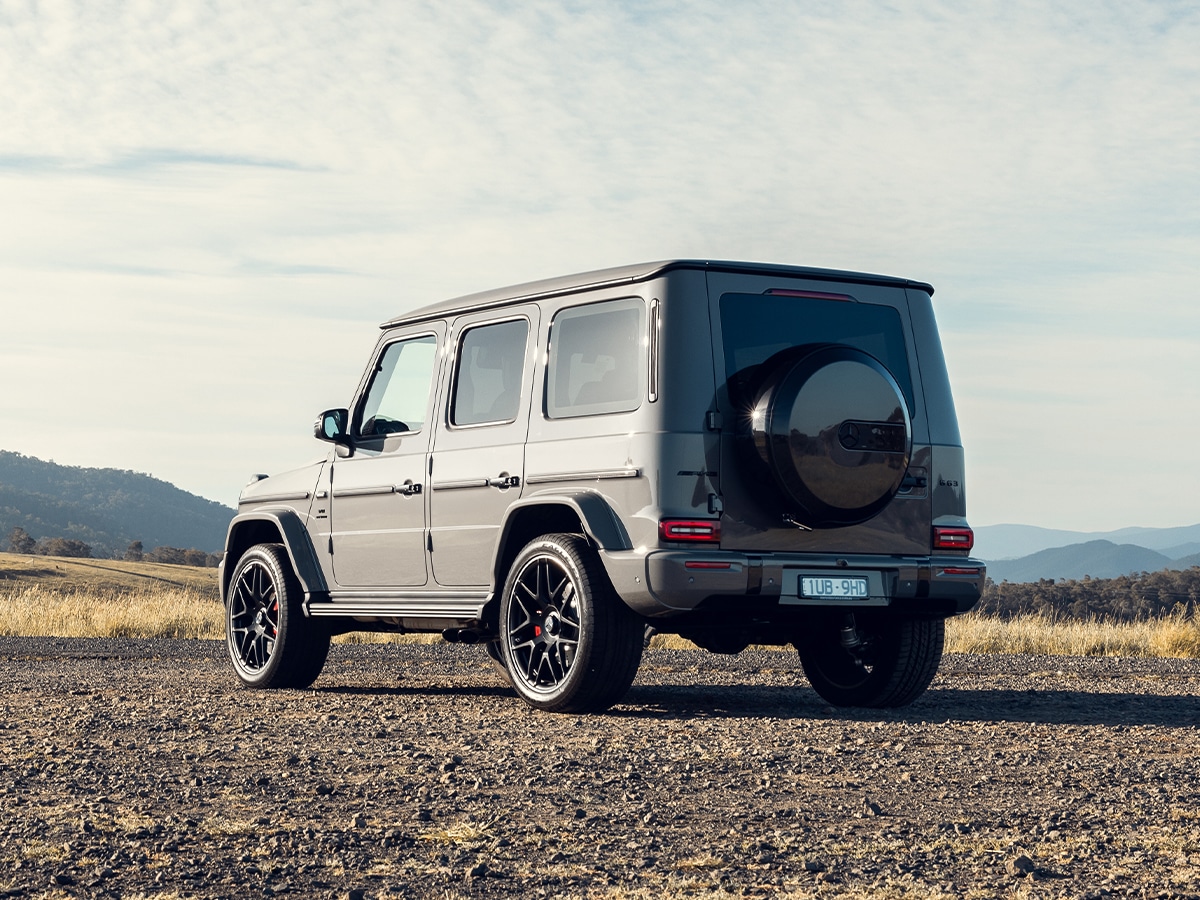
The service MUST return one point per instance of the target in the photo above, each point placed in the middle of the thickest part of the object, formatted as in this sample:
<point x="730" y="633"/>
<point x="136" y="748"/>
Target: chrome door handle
<point x="505" y="481"/>
<point x="408" y="489"/>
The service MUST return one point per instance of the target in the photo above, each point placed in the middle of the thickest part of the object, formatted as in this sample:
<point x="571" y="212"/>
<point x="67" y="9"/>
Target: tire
<point x="271" y="643"/>
<point x="567" y="640"/>
<point x="892" y="666"/>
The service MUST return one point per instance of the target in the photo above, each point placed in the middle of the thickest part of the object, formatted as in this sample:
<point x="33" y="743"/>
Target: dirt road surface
<point x="140" y="769"/>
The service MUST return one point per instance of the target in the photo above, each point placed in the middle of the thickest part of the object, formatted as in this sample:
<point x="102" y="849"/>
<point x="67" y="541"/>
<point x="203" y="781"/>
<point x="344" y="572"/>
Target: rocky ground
<point x="139" y="769"/>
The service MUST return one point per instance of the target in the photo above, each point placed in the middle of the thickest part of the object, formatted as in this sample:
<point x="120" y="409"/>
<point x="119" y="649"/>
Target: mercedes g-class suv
<point x="733" y="452"/>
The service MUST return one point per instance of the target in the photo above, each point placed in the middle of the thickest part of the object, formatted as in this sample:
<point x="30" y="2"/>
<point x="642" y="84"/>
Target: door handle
<point x="408" y="489"/>
<point x="505" y="481"/>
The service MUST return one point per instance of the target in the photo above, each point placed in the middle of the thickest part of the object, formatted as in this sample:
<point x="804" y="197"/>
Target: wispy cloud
<point x="274" y="165"/>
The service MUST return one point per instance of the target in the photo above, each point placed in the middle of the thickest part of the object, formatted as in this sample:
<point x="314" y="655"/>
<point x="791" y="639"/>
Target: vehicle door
<point x="478" y="459"/>
<point x="378" y="490"/>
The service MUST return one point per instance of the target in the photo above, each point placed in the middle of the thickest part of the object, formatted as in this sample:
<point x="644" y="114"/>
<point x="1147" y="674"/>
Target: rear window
<point x="762" y="331"/>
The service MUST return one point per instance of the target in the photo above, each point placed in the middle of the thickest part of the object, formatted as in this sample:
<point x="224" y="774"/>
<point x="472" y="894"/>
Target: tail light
<point x="952" y="538"/>
<point x="704" y="531"/>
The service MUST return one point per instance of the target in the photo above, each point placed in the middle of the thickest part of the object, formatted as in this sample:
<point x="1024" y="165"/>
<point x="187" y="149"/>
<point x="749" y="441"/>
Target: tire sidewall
<point x="905" y="657"/>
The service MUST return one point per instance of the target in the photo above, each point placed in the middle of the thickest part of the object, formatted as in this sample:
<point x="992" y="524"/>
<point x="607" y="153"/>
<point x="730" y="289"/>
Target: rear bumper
<point x="672" y="582"/>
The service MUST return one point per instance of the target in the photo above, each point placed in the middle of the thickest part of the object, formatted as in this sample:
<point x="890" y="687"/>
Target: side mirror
<point x="332" y="426"/>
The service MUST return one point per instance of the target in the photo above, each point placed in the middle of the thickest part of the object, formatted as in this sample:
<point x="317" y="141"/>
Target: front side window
<point x="487" y="380"/>
<point x="398" y="396"/>
<point x="597" y="359"/>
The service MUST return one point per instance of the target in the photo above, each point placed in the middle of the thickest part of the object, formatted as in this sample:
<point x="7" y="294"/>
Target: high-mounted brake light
<point x="811" y="295"/>
<point x="694" y="530"/>
<point x="956" y="538"/>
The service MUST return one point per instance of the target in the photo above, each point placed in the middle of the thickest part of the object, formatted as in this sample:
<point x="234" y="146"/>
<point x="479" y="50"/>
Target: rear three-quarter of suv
<point x="734" y="452"/>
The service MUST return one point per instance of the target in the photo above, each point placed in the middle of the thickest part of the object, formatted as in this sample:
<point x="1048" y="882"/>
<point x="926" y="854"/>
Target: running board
<point x="424" y="605"/>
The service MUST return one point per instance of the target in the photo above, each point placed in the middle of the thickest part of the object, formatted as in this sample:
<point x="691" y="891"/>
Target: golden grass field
<point x="56" y="597"/>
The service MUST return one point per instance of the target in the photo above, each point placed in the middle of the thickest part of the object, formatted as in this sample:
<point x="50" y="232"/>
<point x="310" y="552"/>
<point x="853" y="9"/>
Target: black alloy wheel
<point x="568" y="642"/>
<point x="270" y="641"/>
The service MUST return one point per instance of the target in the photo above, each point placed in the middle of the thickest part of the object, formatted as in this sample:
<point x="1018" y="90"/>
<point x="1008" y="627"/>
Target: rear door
<point x="756" y="321"/>
<point x="478" y="463"/>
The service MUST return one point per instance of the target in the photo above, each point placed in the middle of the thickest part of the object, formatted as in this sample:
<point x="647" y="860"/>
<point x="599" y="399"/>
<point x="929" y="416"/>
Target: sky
<point x="206" y="209"/>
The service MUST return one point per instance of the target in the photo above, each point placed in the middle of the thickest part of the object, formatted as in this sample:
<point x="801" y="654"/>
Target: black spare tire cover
<point x="835" y="432"/>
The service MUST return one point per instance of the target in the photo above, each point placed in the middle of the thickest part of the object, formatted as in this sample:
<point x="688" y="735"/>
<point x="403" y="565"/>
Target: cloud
<point x="197" y="176"/>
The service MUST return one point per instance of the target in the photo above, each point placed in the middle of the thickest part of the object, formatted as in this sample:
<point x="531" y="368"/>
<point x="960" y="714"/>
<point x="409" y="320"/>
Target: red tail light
<point x="956" y="538"/>
<point x="706" y="531"/>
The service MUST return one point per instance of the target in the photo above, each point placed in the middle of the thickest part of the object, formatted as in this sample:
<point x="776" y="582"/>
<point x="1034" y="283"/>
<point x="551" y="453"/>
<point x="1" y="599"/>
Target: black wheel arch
<point x="274" y="526"/>
<point x="567" y="512"/>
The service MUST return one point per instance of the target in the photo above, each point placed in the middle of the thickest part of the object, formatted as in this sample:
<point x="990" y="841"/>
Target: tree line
<point x="1127" y="598"/>
<point x="20" y="541"/>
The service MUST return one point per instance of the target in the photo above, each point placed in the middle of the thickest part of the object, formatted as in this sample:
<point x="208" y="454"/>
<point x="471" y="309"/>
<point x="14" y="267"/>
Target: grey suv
<point x="733" y="452"/>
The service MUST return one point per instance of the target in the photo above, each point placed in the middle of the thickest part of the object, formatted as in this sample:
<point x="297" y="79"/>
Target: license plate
<point x="832" y="588"/>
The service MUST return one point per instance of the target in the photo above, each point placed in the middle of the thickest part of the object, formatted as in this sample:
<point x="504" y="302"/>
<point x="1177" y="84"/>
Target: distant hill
<point x="105" y="508"/>
<point x="1096" y="559"/>
<point x="1001" y="542"/>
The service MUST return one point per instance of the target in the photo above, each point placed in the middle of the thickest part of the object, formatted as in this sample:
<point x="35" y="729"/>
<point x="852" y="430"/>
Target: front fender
<point x="268" y="525"/>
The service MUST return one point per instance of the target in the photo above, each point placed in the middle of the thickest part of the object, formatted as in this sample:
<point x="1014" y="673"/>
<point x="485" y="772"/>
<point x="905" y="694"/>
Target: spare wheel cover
<point x="835" y="431"/>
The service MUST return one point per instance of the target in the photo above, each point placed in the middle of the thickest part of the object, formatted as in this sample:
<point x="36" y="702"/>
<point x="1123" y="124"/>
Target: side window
<point x="399" y="392"/>
<point x="487" y="380"/>
<point x="597" y="359"/>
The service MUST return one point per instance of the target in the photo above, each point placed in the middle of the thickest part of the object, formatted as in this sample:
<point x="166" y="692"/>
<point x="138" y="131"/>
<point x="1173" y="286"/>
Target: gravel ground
<point x="138" y="769"/>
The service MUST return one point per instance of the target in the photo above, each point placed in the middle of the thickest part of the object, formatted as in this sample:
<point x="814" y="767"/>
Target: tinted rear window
<point x="760" y="331"/>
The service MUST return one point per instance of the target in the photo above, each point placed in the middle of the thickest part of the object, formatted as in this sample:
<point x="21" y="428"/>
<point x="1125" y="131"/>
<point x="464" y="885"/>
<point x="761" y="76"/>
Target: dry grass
<point x="1176" y="636"/>
<point x="63" y="573"/>
<point x="36" y="611"/>
<point x="52" y="597"/>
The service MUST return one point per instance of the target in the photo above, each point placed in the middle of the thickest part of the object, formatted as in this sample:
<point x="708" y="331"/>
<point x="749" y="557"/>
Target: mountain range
<point x="1023" y="553"/>
<point x="107" y="509"/>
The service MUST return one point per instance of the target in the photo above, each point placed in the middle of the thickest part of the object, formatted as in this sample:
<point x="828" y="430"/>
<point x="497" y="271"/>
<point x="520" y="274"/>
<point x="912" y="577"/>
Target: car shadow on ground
<point x="1051" y="707"/>
<point x="788" y="702"/>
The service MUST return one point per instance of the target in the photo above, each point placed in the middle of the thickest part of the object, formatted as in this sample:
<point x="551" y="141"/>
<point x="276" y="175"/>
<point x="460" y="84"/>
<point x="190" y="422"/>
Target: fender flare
<point x="600" y="523"/>
<point x="246" y="530"/>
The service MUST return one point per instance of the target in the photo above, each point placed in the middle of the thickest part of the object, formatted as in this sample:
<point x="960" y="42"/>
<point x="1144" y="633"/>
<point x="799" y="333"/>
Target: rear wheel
<point x="870" y="659"/>
<point x="271" y="643"/>
<point x="567" y="641"/>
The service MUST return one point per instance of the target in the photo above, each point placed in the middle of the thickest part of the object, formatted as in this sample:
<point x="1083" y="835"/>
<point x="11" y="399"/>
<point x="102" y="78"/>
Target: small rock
<point x="424" y="815"/>
<point x="871" y="808"/>
<point x="359" y="821"/>
<point x="1020" y="867"/>
<point x="62" y="879"/>
<point x="813" y="865"/>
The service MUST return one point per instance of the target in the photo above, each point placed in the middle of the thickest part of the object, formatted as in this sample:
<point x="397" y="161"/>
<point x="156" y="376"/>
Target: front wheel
<point x="271" y="643"/>
<point x="872" y="659"/>
<point x="567" y="641"/>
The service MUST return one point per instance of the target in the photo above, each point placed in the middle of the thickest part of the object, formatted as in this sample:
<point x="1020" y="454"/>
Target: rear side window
<point x="597" y="359"/>
<point x="487" y="382"/>
<point x="763" y="331"/>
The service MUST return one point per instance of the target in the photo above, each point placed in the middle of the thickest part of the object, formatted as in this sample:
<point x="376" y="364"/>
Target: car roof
<point x="631" y="274"/>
